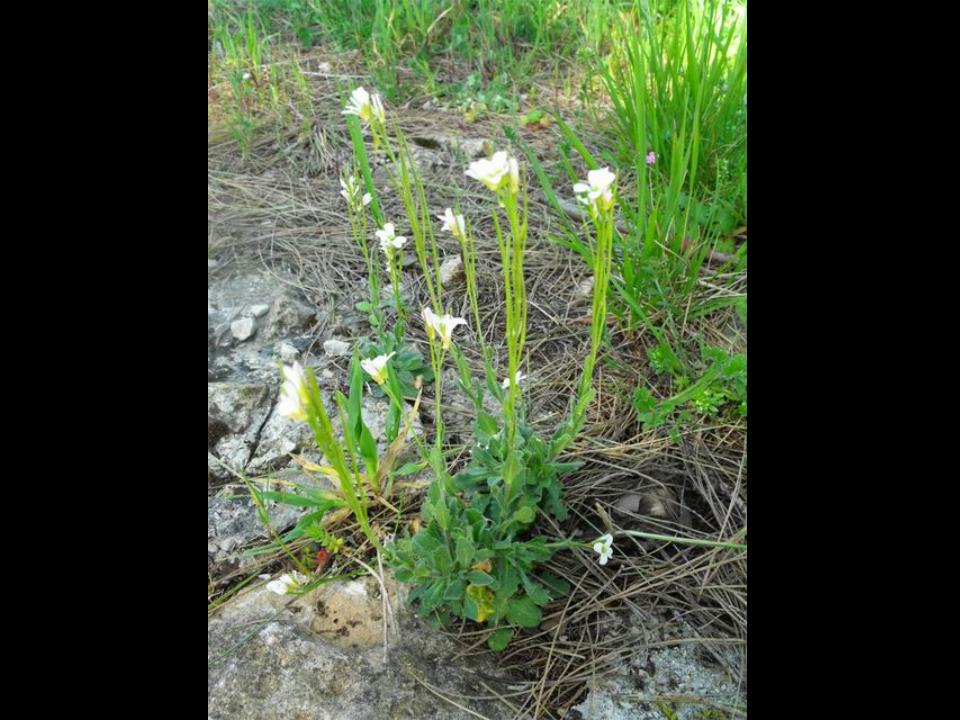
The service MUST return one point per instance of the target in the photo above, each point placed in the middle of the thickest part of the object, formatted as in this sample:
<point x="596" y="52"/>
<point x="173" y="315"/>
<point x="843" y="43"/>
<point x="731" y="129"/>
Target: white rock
<point x="228" y="543"/>
<point x="287" y="352"/>
<point x="336" y="347"/>
<point x="355" y="588"/>
<point x="243" y="329"/>
<point x="451" y="269"/>
<point x="259" y="310"/>
<point x="585" y="288"/>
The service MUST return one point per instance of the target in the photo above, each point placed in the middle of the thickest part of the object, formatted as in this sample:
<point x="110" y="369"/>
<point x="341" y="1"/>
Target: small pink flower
<point x="651" y="157"/>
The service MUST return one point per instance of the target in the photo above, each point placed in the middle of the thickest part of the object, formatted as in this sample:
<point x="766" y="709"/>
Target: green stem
<point x="686" y="541"/>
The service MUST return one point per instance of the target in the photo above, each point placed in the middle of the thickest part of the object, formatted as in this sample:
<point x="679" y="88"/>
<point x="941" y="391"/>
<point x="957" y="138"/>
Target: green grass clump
<point x="674" y="128"/>
<point x="494" y="47"/>
<point x="253" y="81"/>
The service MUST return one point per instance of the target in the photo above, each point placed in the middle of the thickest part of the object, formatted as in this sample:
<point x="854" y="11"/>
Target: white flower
<point x="514" y="176"/>
<point x="604" y="546"/>
<point x="247" y="76"/>
<point x="351" y="193"/>
<point x="389" y="241"/>
<point x="294" y="397"/>
<point x="443" y="325"/>
<point x="377" y="367"/>
<point x="281" y="585"/>
<point x="453" y="224"/>
<point x="492" y="171"/>
<point x="376" y="107"/>
<point x="598" y="190"/>
<point x="363" y="106"/>
<point x="517" y="378"/>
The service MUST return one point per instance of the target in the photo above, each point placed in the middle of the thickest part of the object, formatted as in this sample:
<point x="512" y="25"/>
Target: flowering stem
<point x="358" y="224"/>
<point x="393" y="260"/>
<point x="438" y="384"/>
<point x="602" y="264"/>
<point x="469" y="253"/>
<point x="683" y="540"/>
<point x="511" y="258"/>
<point x="562" y="544"/>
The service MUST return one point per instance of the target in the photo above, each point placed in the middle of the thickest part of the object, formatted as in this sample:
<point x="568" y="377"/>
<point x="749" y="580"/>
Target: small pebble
<point x="336" y="347"/>
<point x="451" y="269"/>
<point x="243" y="329"/>
<point x="228" y="543"/>
<point x="287" y="352"/>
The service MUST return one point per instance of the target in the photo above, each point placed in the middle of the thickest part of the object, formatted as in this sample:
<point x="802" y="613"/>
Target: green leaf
<point x="433" y="597"/>
<point x="500" y="639"/>
<point x="356" y="393"/>
<point x="741" y="308"/>
<point x="410" y="469"/>
<point x="479" y="603"/>
<point x="562" y="468"/>
<point x="535" y="551"/>
<point x="360" y="152"/>
<point x="736" y="365"/>
<point x="523" y="612"/>
<point x="465" y="551"/>
<point x="442" y="560"/>
<point x="442" y="515"/>
<point x="524" y="514"/>
<point x="368" y="450"/>
<point x="486" y="423"/>
<point x="535" y="591"/>
<point x="424" y="543"/>
<point x="291" y="499"/>
<point x="455" y="591"/>
<point x="508" y="579"/>
<point x="476" y="577"/>
<point x="557" y="585"/>
<point x="403" y="575"/>
<point x="575" y="142"/>
<point x="534" y="116"/>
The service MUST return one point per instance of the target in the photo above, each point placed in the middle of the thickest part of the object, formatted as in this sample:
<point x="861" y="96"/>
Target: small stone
<point x="243" y="329"/>
<point x="289" y="315"/>
<point x="451" y="269"/>
<point x="212" y="548"/>
<point x="228" y="543"/>
<point x="334" y="347"/>
<point x="211" y="263"/>
<point x="287" y="352"/>
<point x="585" y="288"/>
<point x="474" y="148"/>
<point x="259" y="310"/>
<point x="223" y="336"/>
<point x="326" y="374"/>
